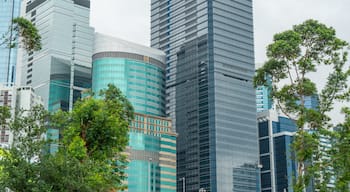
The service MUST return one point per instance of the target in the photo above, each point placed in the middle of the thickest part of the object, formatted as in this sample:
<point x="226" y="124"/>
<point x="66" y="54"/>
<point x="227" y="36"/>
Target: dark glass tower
<point x="210" y="96"/>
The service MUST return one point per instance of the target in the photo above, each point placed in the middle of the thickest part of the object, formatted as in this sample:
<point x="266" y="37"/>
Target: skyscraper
<point x="210" y="97"/>
<point x="139" y="72"/>
<point x="9" y="9"/>
<point x="62" y="68"/>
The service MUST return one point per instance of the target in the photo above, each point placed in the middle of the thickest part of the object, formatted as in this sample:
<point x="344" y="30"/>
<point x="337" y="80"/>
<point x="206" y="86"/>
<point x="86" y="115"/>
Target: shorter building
<point x="279" y="168"/>
<point x="276" y="134"/>
<point x="264" y="101"/>
<point x="139" y="72"/>
<point x="16" y="98"/>
<point x="152" y="154"/>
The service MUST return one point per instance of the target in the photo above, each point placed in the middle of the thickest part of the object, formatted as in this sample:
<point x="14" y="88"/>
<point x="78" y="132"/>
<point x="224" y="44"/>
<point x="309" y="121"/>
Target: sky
<point x="130" y="20"/>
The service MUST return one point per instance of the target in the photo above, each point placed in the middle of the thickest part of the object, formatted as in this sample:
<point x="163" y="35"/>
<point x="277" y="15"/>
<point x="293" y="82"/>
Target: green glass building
<point x="152" y="151"/>
<point x="139" y="72"/>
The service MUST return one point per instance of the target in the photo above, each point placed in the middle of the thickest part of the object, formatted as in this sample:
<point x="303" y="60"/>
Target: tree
<point x="341" y="153"/>
<point x="292" y="56"/>
<point x="20" y="164"/>
<point x="90" y="153"/>
<point x="23" y="30"/>
<point x="96" y="136"/>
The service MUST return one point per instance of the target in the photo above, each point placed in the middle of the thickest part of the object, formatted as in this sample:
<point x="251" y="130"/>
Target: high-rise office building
<point x="62" y="68"/>
<point x="276" y="136"/>
<point x="9" y="9"/>
<point x="210" y="97"/>
<point x="278" y="167"/>
<point x="139" y="72"/>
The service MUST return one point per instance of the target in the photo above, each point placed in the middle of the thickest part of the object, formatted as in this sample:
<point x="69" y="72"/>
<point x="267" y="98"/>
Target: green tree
<point x="24" y="31"/>
<point x="90" y="155"/>
<point x="94" y="138"/>
<point x="20" y="164"/>
<point x="293" y="55"/>
<point x="341" y="153"/>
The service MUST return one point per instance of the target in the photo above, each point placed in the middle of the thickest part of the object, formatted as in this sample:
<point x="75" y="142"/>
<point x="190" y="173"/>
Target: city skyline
<point x="189" y="79"/>
<point x="270" y="17"/>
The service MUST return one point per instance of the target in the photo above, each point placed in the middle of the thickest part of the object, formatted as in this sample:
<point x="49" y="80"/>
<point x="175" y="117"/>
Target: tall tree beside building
<point x="292" y="56"/>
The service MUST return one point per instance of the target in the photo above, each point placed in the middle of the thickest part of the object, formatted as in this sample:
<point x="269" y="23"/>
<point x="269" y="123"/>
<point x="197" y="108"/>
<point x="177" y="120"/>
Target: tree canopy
<point x="292" y="56"/>
<point x="90" y="153"/>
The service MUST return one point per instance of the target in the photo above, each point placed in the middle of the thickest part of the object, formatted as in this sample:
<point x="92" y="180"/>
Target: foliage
<point x="341" y="153"/>
<point x="25" y="31"/>
<point x="89" y="158"/>
<point x="292" y="56"/>
<point x="97" y="134"/>
<point x="20" y="164"/>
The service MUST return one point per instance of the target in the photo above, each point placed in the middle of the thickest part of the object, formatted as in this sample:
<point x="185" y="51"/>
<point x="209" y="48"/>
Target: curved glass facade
<point x="143" y="83"/>
<point x="139" y="72"/>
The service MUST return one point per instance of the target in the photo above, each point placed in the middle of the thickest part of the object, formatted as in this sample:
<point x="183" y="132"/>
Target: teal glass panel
<point x="142" y="83"/>
<point x="140" y="141"/>
<point x="143" y="176"/>
<point x="59" y="95"/>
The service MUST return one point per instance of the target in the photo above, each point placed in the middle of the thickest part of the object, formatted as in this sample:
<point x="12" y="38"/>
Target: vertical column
<point x="71" y="86"/>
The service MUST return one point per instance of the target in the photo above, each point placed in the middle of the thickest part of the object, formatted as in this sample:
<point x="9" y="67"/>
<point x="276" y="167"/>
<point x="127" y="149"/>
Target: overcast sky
<point x="130" y="19"/>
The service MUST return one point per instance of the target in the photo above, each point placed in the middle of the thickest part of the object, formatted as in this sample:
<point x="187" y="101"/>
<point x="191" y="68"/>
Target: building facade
<point x="62" y="68"/>
<point x="16" y="98"/>
<point x="7" y="99"/>
<point x="139" y="72"/>
<point x="276" y="136"/>
<point x="9" y="9"/>
<point x="210" y="97"/>
<point x="263" y="98"/>
<point x="278" y="167"/>
<point x="152" y="155"/>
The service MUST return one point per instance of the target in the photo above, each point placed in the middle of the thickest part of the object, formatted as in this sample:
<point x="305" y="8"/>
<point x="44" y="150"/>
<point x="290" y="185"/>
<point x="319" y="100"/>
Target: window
<point x="264" y="146"/>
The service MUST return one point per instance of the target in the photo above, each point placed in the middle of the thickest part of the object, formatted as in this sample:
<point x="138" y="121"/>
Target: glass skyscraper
<point x="62" y="68"/>
<point x="139" y="72"/>
<point x="210" y="97"/>
<point x="9" y="9"/>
